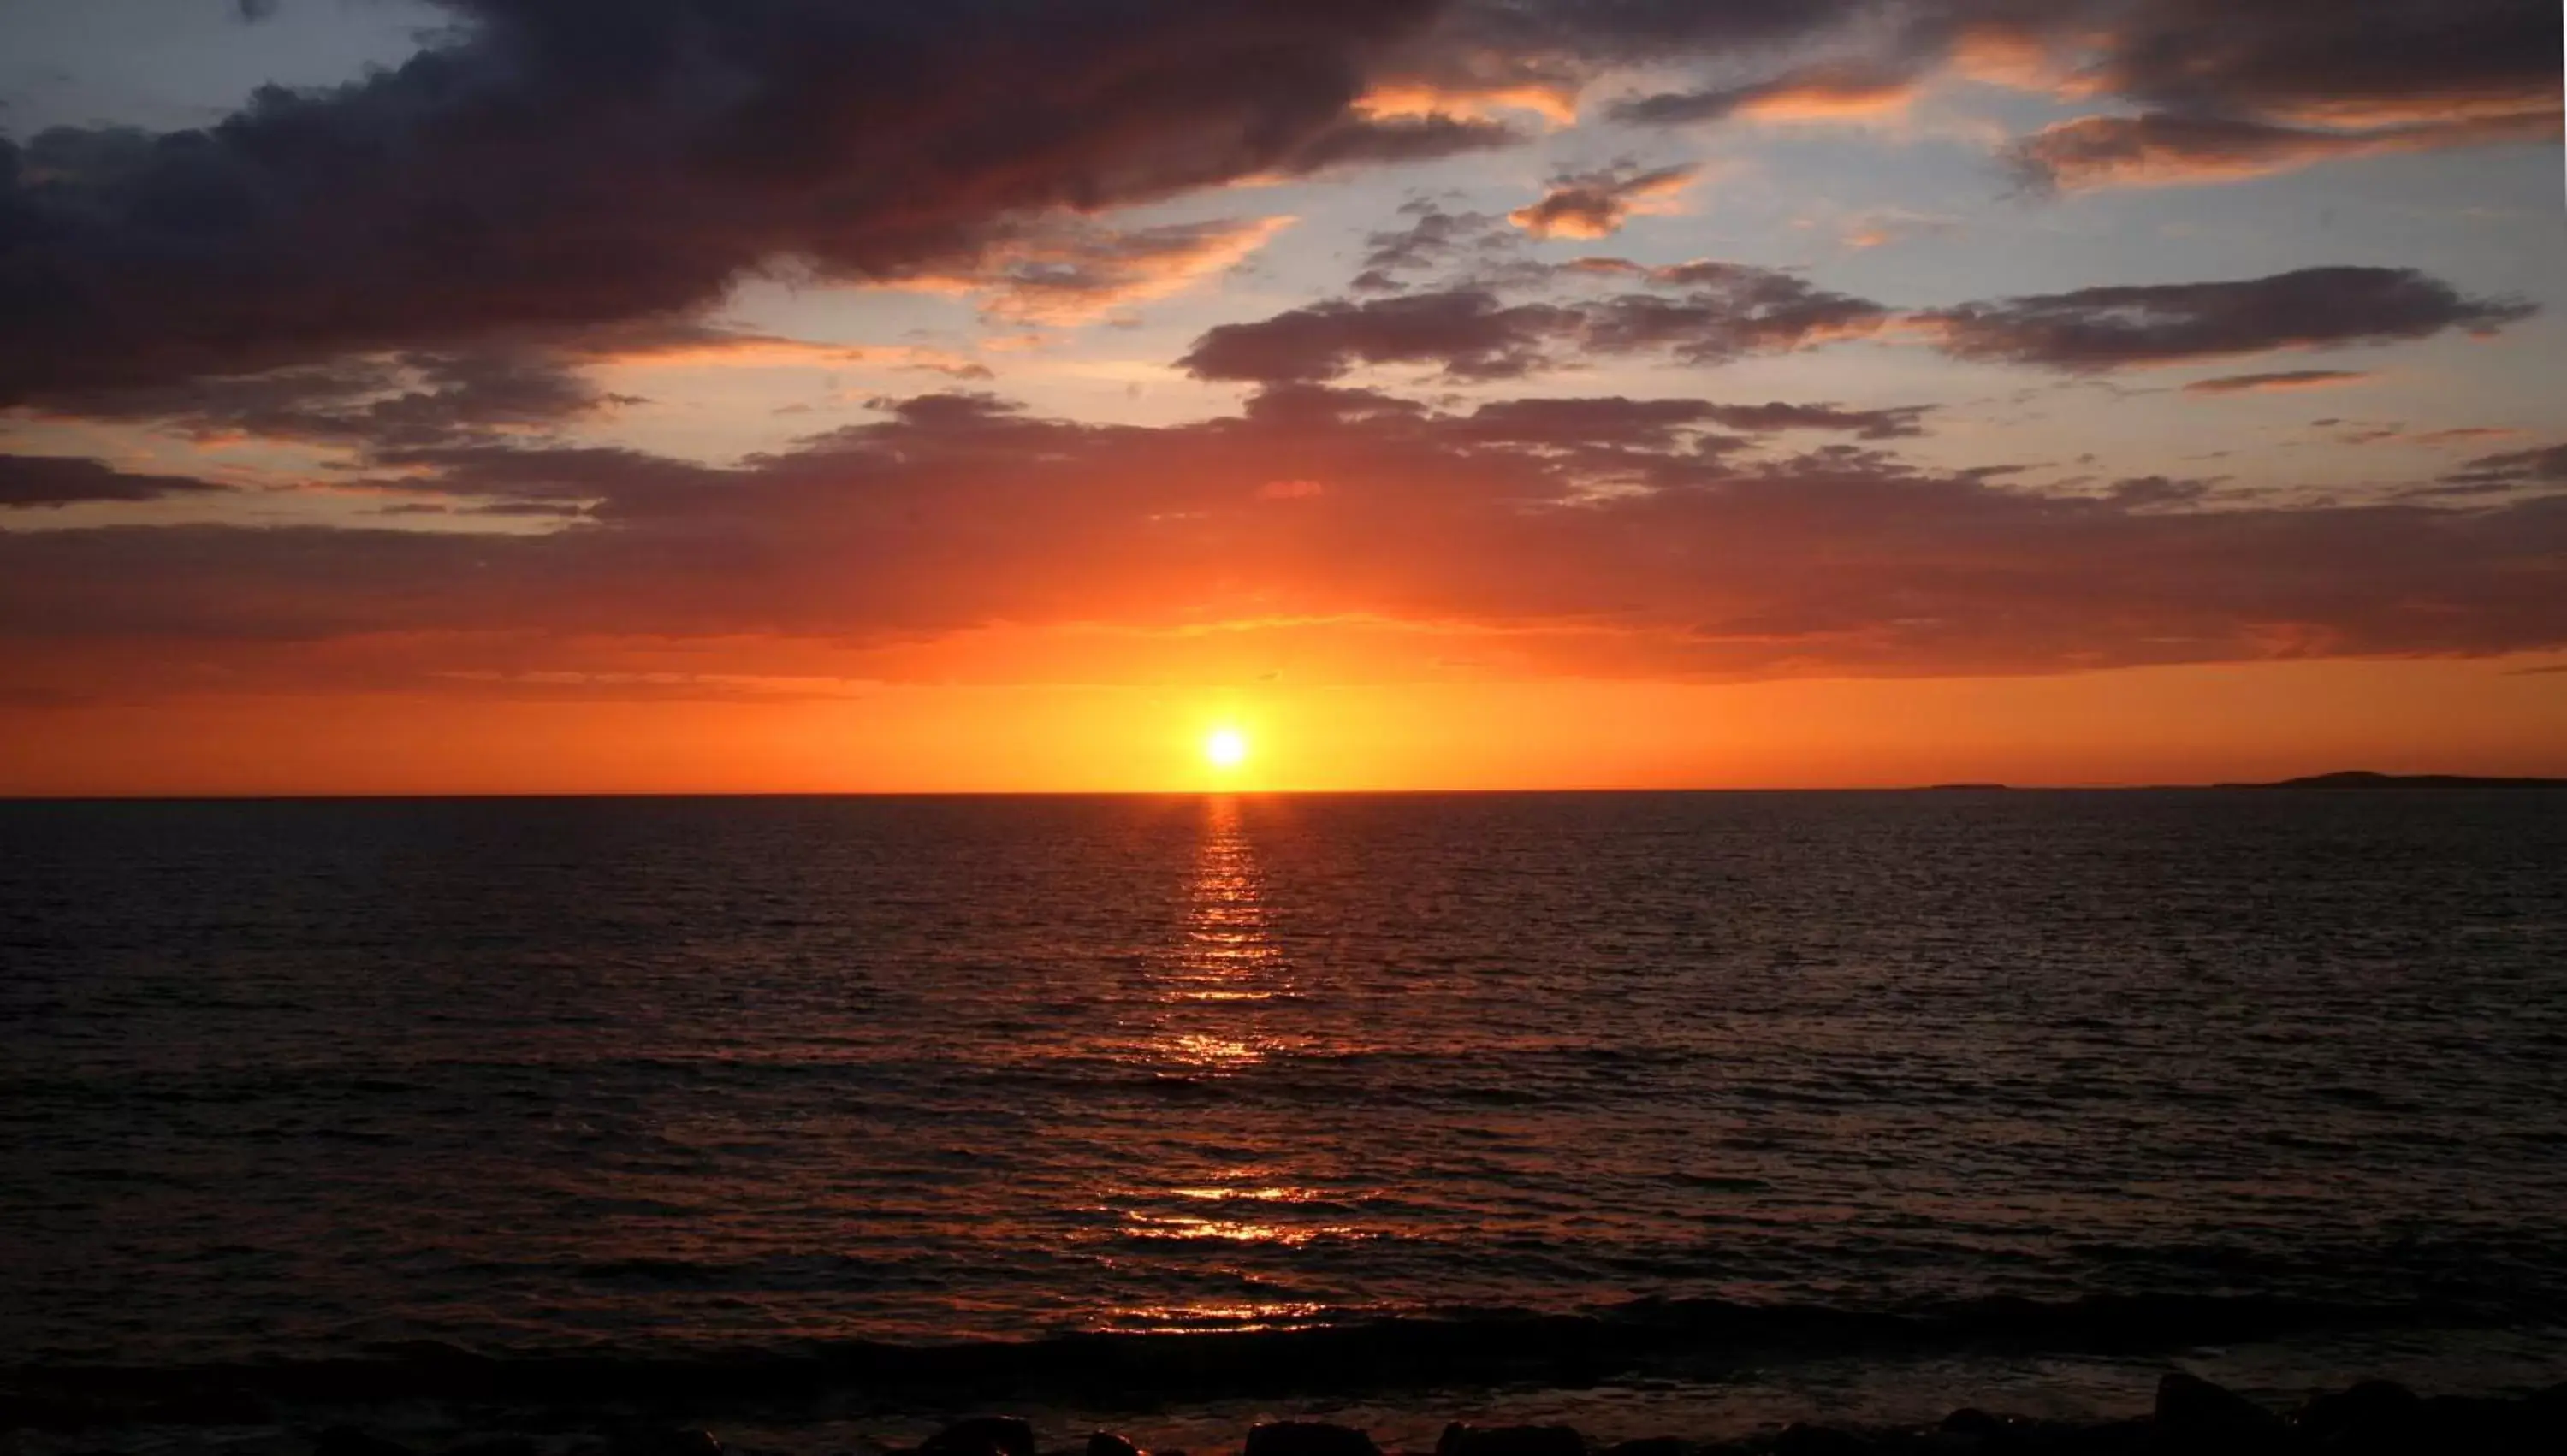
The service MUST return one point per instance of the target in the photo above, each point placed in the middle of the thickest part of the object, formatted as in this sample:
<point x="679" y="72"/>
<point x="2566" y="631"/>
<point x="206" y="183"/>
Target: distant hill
<point x="2360" y="780"/>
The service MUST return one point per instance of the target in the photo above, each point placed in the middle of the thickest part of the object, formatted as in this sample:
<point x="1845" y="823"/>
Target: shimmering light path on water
<point x="674" y="1076"/>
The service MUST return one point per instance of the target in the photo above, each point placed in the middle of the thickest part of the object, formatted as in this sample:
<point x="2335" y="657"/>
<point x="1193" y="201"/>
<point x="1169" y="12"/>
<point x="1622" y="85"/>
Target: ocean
<point x="826" y="1117"/>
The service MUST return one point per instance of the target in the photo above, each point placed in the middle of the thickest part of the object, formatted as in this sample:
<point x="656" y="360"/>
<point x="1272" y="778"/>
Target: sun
<point x="1226" y="747"/>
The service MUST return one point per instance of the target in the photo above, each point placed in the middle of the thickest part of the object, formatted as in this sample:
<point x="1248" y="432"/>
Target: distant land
<point x="2358" y="779"/>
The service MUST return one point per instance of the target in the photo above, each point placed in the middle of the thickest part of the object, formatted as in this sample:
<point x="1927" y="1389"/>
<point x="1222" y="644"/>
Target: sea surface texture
<point x="745" y="1079"/>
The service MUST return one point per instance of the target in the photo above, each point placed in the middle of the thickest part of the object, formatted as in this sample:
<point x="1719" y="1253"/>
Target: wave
<point x="1451" y="1349"/>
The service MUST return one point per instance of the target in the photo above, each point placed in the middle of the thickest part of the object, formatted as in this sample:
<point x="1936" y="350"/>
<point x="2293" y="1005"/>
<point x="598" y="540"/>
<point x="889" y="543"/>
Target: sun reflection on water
<point x="1220" y="980"/>
<point x="1224" y="953"/>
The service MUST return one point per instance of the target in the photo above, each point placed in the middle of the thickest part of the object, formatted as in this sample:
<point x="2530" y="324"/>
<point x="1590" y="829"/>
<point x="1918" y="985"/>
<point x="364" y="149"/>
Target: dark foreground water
<point x="1839" y="1102"/>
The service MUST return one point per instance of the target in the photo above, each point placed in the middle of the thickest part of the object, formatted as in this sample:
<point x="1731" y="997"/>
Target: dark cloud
<point x="554" y="166"/>
<point x="1072" y="269"/>
<point x="1824" y="89"/>
<point x="395" y="401"/>
<point x="1896" y="422"/>
<point x="2355" y="60"/>
<point x="1654" y="423"/>
<point x="2283" y="378"/>
<point x="1598" y="536"/>
<point x="2222" y="89"/>
<point x="1433" y="238"/>
<point x="1698" y="313"/>
<point x="1558" y="32"/>
<point x="1365" y="140"/>
<point x="1723" y="311"/>
<point x="2514" y="469"/>
<point x="2116" y="327"/>
<point x="1592" y="204"/>
<point x="571" y="162"/>
<point x="2140" y="493"/>
<point x="29" y="480"/>
<point x="2159" y="149"/>
<point x="1467" y="333"/>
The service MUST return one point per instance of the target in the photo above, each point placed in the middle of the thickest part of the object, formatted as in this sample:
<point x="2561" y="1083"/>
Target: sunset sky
<point x="784" y="395"/>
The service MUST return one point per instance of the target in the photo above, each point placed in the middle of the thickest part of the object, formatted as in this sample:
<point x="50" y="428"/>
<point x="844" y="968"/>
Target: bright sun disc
<point x="1227" y="748"/>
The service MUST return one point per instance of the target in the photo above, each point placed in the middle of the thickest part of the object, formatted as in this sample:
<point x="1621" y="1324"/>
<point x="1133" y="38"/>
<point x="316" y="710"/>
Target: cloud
<point x="1074" y="270"/>
<point x="2228" y="91"/>
<point x="1807" y="93"/>
<point x="1609" y="536"/>
<point x="1595" y="205"/>
<point x="1710" y="312"/>
<point x="2142" y="493"/>
<point x="1724" y="311"/>
<point x="2287" y="378"/>
<point x="2514" y="469"/>
<point x="1433" y="238"/>
<point x="2092" y="328"/>
<point x="1626" y="424"/>
<point x="2157" y="149"/>
<point x="2222" y="91"/>
<point x="391" y="400"/>
<point x="1554" y="100"/>
<point x="1882" y="227"/>
<point x="1467" y="333"/>
<point x="32" y="480"/>
<point x="2360" y="61"/>
<point x="558" y="166"/>
<point x="1362" y="141"/>
<point x="1699" y="313"/>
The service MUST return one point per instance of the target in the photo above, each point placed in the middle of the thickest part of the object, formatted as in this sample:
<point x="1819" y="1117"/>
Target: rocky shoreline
<point x="2190" y="1415"/>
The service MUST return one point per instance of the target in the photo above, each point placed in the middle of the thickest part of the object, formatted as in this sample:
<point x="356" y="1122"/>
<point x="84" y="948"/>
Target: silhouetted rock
<point x="1309" y="1438"/>
<point x="1969" y="1420"/>
<point x="1808" y="1440"/>
<point x="2190" y="1406"/>
<point x="982" y="1436"/>
<point x="2468" y="1423"/>
<point x="1650" y="1446"/>
<point x="349" y="1441"/>
<point x="494" y="1446"/>
<point x="2373" y="1415"/>
<point x="1468" y="1440"/>
<point x="1106" y="1443"/>
<point x="664" y="1443"/>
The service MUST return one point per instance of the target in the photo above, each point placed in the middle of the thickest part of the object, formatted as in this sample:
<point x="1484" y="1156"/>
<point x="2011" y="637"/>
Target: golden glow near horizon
<point x="1225" y="747"/>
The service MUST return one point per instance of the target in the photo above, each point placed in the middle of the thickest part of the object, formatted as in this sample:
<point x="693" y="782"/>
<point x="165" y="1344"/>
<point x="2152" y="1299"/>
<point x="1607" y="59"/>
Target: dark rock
<point x="982" y="1436"/>
<point x="1106" y="1443"/>
<point x="2380" y="1413"/>
<point x="1808" y="1440"/>
<point x="1650" y="1446"/>
<point x="2464" y="1423"/>
<point x="1309" y="1438"/>
<point x="1969" y="1420"/>
<point x="1466" y="1441"/>
<point x="349" y="1441"/>
<point x="495" y="1446"/>
<point x="2190" y="1406"/>
<point x="665" y="1443"/>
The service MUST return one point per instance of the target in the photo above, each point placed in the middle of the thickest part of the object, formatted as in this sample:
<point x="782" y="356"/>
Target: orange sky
<point x="2143" y="725"/>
